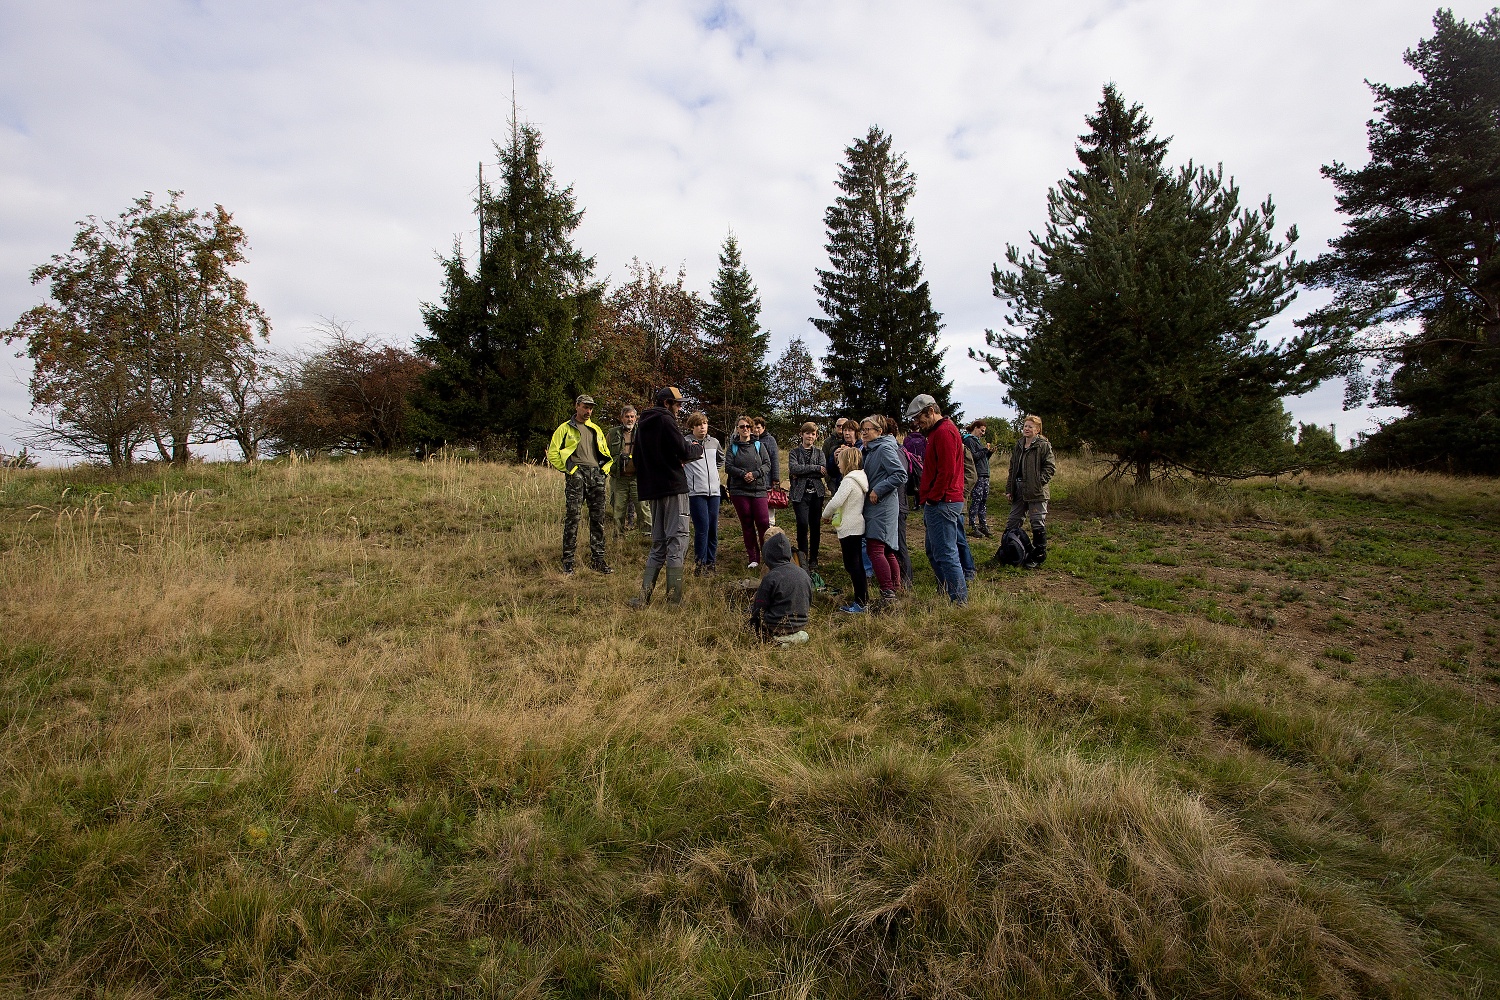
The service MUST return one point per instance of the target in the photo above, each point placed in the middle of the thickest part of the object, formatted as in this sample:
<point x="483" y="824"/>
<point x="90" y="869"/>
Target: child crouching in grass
<point x="779" y="612"/>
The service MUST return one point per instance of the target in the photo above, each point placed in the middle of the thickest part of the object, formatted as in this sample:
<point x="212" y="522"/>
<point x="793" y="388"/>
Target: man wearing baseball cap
<point x="941" y="495"/>
<point x="661" y="452"/>
<point x="580" y="452"/>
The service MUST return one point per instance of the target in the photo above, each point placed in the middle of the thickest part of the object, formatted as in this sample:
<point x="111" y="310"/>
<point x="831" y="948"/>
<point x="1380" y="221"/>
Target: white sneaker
<point x="755" y="565"/>
<point x="796" y="638"/>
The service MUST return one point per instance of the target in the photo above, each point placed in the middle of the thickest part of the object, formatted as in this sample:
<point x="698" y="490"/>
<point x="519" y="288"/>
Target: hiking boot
<point x="567" y="567"/>
<point x="600" y="566"/>
<point x="795" y="639"/>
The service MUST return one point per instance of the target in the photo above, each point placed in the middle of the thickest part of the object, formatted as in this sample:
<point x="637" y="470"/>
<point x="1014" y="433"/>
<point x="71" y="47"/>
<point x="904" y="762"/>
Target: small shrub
<point x="1310" y="538"/>
<point x="1339" y="653"/>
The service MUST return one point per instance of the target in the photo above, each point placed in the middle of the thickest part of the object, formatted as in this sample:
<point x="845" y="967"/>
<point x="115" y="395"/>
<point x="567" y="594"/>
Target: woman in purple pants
<point x="747" y="467"/>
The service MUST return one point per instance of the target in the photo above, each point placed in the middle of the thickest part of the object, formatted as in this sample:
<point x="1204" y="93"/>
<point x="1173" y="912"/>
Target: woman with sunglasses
<point x="747" y="466"/>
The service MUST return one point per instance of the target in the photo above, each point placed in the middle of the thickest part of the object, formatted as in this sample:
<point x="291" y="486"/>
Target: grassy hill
<point x="342" y="728"/>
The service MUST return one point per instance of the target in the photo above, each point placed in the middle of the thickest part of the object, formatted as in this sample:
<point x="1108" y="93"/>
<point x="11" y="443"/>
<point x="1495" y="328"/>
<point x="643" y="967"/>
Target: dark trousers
<point x="585" y="485"/>
<point x="887" y="567"/>
<point x="978" y="502"/>
<point x="903" y="554"/>
<point x="705" y="511"/>
<point x="755" y="518"/>
<point x="852" y="548"/>
<point x="809" y="525"/>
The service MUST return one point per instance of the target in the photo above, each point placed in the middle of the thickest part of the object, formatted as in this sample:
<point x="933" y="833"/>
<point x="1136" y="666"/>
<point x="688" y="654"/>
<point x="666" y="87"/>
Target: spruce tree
<point x="1416" y="273"/>
<point x="798" y="393"/>
<point x="877" y="311"/>
<point x="1117" y="131"/>
<point x="506" y="339"/>
<point x="734" y="375"/>
<point x="1136" y="315"/>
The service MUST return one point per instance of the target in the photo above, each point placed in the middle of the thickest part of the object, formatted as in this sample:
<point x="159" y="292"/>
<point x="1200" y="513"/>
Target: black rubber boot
<point x="648" y="584"/>
<point x="1038" y="548"/>
<point x="674" y="584"/>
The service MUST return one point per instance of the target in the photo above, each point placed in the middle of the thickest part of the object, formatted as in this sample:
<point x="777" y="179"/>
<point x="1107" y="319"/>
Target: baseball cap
<point x="584" y="400"/>
<point x="919" y="404"/>
<point x="670" y="394"/>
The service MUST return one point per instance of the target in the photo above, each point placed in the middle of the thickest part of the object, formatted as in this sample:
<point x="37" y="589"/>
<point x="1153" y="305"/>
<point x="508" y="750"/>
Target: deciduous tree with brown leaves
<point x="145" y="324"/>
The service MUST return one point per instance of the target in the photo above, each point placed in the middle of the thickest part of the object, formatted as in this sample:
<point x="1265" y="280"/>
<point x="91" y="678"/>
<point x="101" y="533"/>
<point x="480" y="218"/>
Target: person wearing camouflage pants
<point x="580" y="452"/>
<point x="585" y="486"/>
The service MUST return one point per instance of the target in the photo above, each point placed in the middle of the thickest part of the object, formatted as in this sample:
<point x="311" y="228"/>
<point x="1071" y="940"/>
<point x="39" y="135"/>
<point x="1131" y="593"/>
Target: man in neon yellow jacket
<point x="580" y="452"/>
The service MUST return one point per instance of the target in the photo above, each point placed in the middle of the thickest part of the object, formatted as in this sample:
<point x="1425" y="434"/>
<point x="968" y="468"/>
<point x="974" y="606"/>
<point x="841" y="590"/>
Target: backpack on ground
<point x="1015" y="548"/>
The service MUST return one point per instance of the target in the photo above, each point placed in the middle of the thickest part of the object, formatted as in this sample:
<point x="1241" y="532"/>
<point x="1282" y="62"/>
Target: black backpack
<point x="1015" y="548"/>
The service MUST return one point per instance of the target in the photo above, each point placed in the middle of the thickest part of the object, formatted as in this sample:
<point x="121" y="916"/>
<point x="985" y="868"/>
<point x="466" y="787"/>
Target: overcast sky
<point x="345" y="136"/>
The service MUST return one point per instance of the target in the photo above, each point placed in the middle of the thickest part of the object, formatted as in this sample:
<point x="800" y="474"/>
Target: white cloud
<point x="345" y="136"/>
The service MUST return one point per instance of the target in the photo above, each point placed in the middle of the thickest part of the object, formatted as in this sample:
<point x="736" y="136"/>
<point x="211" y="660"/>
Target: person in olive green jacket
<point x="578" y="450"/>
<point x="1031" y="469"/>
<point x="625" y="504"/>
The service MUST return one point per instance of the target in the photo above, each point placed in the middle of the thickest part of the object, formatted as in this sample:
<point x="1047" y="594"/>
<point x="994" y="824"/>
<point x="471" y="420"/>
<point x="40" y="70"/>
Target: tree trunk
<point x="1143" y="471"/>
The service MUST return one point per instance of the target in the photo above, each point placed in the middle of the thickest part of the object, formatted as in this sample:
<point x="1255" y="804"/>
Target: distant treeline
<point x="1133" y="320"/>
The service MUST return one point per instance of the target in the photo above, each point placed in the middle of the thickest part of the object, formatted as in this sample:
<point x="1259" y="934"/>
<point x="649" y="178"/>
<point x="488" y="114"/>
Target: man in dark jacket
<point x="779" y="613"/>
<point x="1032" y="467"/>
<point x="661" y="451"/>
<point x="941" y="494"/>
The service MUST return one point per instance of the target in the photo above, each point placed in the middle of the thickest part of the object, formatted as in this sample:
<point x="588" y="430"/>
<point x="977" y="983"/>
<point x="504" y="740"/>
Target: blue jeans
<point x="945" y="534"/>
<point x="705" y="513"/>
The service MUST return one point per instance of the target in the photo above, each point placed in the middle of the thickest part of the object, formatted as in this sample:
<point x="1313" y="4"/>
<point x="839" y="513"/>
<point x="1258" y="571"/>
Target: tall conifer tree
<point x="506" y="339"/>
<point x="877" y="311"/>
<point x="1416" y="272"/>
<point x="1136" y="315"/>
<point x="735" y="375"/>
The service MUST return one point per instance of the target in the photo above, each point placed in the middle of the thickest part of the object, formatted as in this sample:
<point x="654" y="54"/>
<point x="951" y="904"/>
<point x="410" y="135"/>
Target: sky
<point x="345" y="137"/>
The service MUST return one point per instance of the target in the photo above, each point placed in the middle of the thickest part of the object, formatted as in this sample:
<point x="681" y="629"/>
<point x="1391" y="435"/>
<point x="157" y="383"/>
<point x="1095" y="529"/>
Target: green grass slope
<point x="341" y="728"/>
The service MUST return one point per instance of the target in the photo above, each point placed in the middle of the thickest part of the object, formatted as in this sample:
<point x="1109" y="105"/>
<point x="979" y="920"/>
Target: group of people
<point x="669" y="481"/>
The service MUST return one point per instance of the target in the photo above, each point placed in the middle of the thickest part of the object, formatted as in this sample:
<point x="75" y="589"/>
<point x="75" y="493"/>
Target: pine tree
<point x="1416" y="273"/>
<point x="506" y="340"/>
<point x="734" y="374"/>
<point x="797" y="392"/>
<point x="1136" y="315"/>
<point x="877" y="311"/>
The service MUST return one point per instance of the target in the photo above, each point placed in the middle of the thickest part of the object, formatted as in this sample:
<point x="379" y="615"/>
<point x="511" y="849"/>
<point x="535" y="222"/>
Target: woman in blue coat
<point x="886" y="470"/>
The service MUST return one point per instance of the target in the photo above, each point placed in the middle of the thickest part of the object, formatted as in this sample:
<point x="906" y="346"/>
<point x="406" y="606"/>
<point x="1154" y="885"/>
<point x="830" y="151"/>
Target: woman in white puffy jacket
<point x="846" y="508"/>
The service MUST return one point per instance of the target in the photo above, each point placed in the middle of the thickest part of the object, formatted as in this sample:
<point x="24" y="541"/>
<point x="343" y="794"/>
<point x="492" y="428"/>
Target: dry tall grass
<point x="330" y="728"/>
